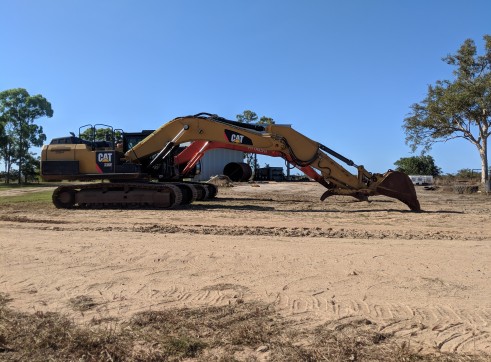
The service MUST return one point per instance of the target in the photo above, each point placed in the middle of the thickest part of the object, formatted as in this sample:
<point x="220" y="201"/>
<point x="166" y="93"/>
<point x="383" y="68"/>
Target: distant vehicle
<point x="269" y="174"/>
<point x="421" y="180"/>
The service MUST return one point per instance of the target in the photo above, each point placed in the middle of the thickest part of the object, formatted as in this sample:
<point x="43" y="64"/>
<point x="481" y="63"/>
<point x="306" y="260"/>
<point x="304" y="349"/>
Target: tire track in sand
<point x="437" y="326"/>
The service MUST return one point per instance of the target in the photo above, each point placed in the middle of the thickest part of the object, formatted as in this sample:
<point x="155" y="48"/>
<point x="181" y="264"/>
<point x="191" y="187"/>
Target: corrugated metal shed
<point x="214" y="161"/>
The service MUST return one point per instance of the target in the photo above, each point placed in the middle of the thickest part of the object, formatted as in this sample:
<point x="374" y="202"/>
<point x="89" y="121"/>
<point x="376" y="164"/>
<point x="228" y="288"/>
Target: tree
<point x="100" y="134"/>
<point x="19" y="110"/>
<point x="418" y="165"/>
<point x="460" y="108"/>
<point x="247" y="117"/>
<point x="30" y="167"/>
<point x="7" y="149"/>
<point x="3" y="123"/>
<point x="265" y="120"/>
<point x="467" y="173"/>
<point x="251" y="117"/>
<point x="3" y="139"/>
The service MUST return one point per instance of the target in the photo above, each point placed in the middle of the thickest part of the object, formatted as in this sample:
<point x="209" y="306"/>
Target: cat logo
<point x="238" y="138"/>
<point x="105" y="161"/>
<point x="104" y="157"/>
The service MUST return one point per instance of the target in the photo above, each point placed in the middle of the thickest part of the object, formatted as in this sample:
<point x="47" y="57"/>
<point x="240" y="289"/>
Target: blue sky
<point x="344" y="73"/>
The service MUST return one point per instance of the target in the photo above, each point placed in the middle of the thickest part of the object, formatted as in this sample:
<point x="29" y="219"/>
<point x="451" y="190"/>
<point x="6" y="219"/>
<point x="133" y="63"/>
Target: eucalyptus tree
<point x="457" y="108"/>
<point x="18" y="111"/>
<point x="249" y="116"/>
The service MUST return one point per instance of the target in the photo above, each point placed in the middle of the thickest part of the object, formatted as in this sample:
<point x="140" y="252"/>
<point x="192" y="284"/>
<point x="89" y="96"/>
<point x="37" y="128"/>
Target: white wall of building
<point x="215" y="160"/>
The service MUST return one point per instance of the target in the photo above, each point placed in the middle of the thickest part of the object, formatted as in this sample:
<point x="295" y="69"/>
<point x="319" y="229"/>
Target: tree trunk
<point x="7" y="176"/>
<point x="21" y="154"/>
<point x="20" y="167"/>
<point x="8" y="162"/>
<point x="483" y="152"/>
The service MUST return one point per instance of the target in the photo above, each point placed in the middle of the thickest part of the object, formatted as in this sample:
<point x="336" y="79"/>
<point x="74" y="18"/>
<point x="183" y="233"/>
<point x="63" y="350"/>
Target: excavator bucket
<point x="398" y="185"/>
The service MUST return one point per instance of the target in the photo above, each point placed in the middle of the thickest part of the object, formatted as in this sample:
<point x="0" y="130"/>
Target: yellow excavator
<point x="133" y="161"/>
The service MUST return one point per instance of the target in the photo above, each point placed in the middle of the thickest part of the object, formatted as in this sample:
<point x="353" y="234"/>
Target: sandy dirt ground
<point x="425" y="277"/>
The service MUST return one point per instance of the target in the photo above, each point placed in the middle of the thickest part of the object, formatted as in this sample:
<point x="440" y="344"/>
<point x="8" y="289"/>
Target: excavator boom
<point x="207" y="131"/>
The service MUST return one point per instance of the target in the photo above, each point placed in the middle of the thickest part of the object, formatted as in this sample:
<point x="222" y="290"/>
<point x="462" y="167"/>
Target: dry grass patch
<point x="236" y="332"/>
<point x="82" y="303"/>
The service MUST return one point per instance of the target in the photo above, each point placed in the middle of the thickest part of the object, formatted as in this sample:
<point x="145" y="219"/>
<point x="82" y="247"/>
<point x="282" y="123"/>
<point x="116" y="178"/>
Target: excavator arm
<point x="207" y="131"/>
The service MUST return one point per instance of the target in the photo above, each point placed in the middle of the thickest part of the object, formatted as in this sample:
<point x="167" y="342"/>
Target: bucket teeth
<point x="393" y="184"/>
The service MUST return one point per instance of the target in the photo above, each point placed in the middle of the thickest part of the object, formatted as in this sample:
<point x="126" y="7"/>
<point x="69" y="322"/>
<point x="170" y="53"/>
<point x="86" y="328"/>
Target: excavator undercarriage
<point x="139" y="194"/>
<point x="131" y="163"/>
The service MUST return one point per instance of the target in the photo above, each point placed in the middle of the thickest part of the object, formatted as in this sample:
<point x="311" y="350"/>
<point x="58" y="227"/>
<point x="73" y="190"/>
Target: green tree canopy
<point x="100" y="134"/>
<point x="418" y="165"/>
<point x="3" y="136"/>
<point x="249" y="116"/>
<point x="265" y="120"/>
<point x="458" y="108"/>
<point x="18" y="111"/>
